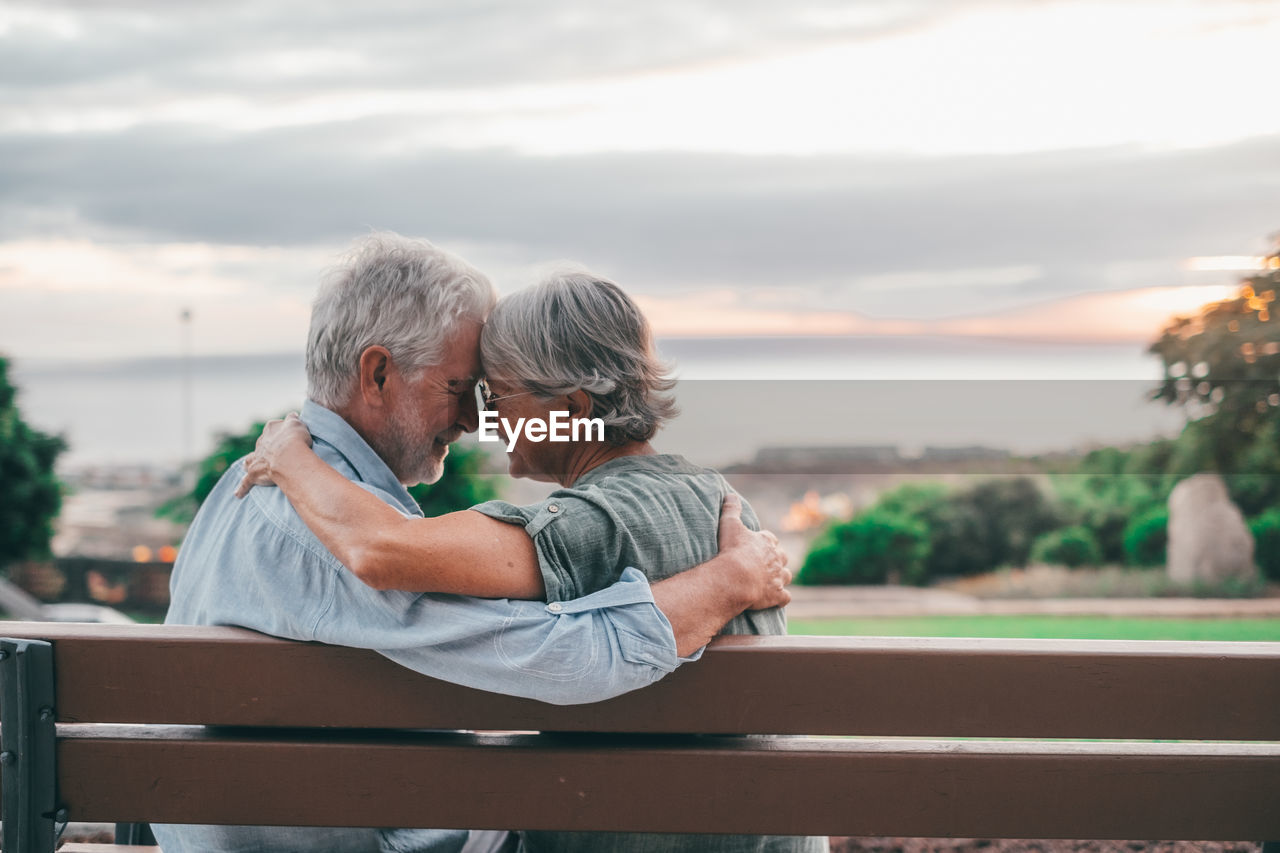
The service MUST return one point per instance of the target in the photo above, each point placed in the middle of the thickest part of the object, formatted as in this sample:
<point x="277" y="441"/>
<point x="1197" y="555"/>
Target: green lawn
<point x="1051" y="627"/>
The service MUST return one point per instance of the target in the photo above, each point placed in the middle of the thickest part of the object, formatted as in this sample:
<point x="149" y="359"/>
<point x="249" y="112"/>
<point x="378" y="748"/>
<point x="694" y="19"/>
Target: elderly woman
<point x="574" y="343"/>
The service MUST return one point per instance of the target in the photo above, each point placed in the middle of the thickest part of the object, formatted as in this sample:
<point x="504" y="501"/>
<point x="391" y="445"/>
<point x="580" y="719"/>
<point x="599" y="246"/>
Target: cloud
<point x="285" y="46"/>
<point x="666" y="221"/>
<point x="136" y="129"/>
<point x="570" y="77"/>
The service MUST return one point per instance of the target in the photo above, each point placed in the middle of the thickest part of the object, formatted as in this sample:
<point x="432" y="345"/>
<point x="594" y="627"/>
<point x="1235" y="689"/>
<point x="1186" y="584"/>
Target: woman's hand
<point x="757" y="556"/>
<point x="278" y="439"/>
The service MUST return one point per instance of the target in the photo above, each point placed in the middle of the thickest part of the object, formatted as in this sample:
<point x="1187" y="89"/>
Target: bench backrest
<point x="279" y="769"/>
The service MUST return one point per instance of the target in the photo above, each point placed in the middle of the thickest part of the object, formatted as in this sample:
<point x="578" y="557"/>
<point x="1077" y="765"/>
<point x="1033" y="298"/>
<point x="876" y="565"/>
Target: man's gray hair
<point x="406" y="295"/>
<point x="575" y="330"/>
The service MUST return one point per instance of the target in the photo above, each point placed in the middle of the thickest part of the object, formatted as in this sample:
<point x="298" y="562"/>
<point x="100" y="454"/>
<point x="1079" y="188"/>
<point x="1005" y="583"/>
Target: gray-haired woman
<point x="575" y="344"/>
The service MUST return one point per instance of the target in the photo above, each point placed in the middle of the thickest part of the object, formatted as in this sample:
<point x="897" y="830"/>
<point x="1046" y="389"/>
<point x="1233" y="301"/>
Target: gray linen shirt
<point x="660" y="514"/>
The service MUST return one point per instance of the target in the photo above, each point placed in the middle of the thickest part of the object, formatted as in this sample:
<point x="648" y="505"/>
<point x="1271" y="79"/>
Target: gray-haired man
<point x="392" y="361"/>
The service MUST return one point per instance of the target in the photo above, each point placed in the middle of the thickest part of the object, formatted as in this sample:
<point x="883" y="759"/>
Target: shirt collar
<point x="329" y="427"/>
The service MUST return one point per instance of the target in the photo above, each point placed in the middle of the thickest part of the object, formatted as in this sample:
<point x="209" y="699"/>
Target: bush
<point x="957" y="537"/>
<point x="874" y="547"/>
<point x="1147" y="537"/>
<point x="1012" y="514"/>
<point x="1109" y="487"/>
<point x="977" y="529"/>
<point x="1070" y="546"/>
<point x="30" y="492"/>
<point x="1266" y="540"/>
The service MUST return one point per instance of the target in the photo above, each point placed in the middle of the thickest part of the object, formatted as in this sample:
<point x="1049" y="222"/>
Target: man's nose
<point x="468" y="413"/>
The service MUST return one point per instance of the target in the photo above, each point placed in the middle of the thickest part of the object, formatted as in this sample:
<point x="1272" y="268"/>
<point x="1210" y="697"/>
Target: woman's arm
<point x="463" y="552"/>
<point x="468" y="553"/>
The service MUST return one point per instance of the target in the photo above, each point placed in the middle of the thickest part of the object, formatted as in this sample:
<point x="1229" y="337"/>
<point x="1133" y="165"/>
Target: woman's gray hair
<point x="575" y="330"/>
<point x="406" y="295"/>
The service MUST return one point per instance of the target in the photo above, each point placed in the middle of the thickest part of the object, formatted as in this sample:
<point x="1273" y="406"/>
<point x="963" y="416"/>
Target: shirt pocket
<point x="559" y="655"/>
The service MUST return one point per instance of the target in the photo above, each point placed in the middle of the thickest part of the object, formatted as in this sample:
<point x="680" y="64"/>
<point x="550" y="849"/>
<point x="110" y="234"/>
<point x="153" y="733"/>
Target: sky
<point x="1041" y="171"/>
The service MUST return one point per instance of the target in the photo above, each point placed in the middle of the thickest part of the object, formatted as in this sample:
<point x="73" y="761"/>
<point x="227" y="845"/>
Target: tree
<point x="461" y="486"/>
<point x="30" y="493"/>
<point x="1223" y="367"/>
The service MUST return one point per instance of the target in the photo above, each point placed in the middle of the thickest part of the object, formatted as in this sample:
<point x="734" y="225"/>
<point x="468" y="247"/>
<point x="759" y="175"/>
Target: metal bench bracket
<point x="27" y="742"/>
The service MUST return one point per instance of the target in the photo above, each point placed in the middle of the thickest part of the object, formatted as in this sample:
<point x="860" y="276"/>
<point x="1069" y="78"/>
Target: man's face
<point x="431" y="409"/>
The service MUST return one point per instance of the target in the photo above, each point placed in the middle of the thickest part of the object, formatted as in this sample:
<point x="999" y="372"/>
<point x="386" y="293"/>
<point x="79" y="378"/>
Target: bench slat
<point x="754" y="785"/>
<point x="776" y="685"/>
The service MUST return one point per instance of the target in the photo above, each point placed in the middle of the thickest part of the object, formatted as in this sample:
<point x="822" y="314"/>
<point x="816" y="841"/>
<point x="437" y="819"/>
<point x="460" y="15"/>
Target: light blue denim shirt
<point x="251" y="562"/>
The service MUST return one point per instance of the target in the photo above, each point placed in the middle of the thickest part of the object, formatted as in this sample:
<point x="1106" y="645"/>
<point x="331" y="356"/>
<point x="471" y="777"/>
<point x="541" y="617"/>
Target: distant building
<point x="972" y="453"/>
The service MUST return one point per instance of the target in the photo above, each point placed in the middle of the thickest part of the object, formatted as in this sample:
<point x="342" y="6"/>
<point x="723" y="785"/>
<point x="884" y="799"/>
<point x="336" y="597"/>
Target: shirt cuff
<point x="647" y="638"/>
<point x="632" y="588"/>
<point x="691" y="658"/>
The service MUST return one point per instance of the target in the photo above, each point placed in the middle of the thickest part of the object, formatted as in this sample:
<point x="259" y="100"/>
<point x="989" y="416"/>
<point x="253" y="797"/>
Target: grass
<point x="1049" y="627"/>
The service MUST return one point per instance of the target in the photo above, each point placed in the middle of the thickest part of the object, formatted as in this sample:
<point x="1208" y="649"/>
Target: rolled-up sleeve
<point x="585" y="650"/>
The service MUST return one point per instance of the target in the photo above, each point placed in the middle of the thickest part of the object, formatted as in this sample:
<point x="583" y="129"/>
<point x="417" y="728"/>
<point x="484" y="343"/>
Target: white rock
<point x="1208" y="539"/>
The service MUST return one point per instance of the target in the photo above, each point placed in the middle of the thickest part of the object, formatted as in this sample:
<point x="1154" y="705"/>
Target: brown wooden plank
<point x="782" y="685"/>
<point x="661" y="783"/>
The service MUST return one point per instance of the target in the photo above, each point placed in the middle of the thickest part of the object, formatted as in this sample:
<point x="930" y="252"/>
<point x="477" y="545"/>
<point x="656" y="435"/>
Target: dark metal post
<point x="135" y="833"/>
<point x="27" y="771"/>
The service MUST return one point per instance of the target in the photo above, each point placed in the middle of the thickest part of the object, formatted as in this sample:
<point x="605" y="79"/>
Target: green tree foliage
<point x="1071" y="546"/>
<point x="923" y="531"/>
<point x="1146" y="538"/>
<point x="1255" y="487"/>
<point x="1014" y="513"/>
<point x="30" y="493"/>
<point x="1110" y="487"/>
<point x="1223" y="367"/>
<point x="461" y="486"/>
<point x="957" y="532"/>
<point x="874" y="547"/>
<point x="1266" y="540"/>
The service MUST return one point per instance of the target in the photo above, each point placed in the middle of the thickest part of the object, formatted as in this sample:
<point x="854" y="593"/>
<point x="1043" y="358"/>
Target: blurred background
<point x="932" y="246"/>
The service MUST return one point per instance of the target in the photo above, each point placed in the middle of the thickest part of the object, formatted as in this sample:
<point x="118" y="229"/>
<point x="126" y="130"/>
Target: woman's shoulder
<point x="664" y="478"/>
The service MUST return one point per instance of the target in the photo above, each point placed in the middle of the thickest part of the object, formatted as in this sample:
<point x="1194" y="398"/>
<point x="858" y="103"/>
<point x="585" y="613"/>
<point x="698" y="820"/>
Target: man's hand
<point x="749" y="573"/>
<point x="757" y="557"/>
<point x="279" y="437"/>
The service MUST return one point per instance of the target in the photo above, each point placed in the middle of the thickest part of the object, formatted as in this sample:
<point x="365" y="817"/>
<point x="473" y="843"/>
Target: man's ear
<point x="579" y="404"/>
<point x="376" y="367"/>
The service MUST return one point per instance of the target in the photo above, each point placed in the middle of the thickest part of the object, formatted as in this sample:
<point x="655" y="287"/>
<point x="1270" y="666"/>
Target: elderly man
<point x="392" y="362"/>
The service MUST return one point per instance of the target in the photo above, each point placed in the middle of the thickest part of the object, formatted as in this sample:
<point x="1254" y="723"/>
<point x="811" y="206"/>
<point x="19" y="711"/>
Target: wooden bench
<point x="106" y="723"/>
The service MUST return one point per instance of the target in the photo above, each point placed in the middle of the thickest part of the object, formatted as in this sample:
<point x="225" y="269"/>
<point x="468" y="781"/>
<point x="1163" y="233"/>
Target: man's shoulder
<point x="251" y="561"/>
<point x="262" y="522"/>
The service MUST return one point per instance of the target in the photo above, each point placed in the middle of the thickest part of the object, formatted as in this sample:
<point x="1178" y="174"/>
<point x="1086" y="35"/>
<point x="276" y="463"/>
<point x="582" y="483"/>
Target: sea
<point x="737" y="396"/>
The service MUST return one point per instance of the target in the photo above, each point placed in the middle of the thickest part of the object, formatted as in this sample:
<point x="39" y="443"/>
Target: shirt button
<point x="555" y="607"/>
<point x="553" y="508"/>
